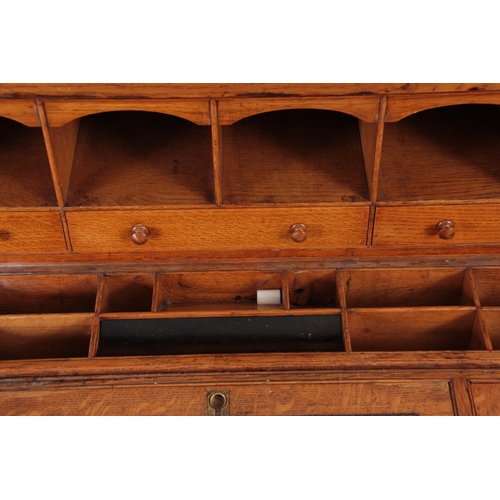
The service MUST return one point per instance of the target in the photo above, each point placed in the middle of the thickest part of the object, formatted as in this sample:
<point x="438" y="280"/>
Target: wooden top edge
<point x="274" y="362"/>
<point x="230" y="90"/>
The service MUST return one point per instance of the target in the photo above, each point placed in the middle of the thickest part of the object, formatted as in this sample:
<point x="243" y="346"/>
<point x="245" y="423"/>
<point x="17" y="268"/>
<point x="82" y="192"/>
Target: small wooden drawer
<point x="437" y="225"/>
<point x="31" y="232"/>
<point x="249" y="398"/>
<point x="218" y="229"/>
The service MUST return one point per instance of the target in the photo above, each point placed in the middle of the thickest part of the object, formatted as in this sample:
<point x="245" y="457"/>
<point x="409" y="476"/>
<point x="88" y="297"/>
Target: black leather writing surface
<point x="254" y="334"/>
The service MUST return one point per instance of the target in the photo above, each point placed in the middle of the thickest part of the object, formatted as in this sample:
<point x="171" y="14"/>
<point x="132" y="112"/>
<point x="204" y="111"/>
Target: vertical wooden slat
<point x="480" y="338"/>
<point x="469" y="292"/>
<point x="371" y="135"/>
<point x="217" y="151"/>
<point x="371" y="142"/>
<point x="462" y="404"/>
<point x="371" y="225"/>
<point x="341" y="297"/>
<point x="157" y="294"/>
<point x="67" y="235"/>
<point x="60" y="143"/>
<point x="101" y="305"/>
<point x="285" y="290"/>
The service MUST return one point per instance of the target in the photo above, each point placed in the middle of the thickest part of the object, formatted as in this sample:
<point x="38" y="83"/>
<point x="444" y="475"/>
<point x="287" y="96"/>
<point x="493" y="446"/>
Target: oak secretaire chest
<point x="250" y="249"/>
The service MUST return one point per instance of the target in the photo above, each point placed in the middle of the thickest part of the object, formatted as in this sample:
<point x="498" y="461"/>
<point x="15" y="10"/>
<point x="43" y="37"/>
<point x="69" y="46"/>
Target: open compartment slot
<point x="447" y="153"/>
<point x="487" y="283"/>
<point x="39" y="336"/>
<point x="492" y="324"/>
<point x="44" y="294"/>
<point x="25" y="175"/>
<point x="312" y="289"/>
<point x="127" y="293"/>
<point x="407" y="288"/>
<point x="293" y="156"/>
<point x="211" y="335"/>
<point x="138" y="158"/>
<point x="408" y="329"/>
<point x="213" y="291"/>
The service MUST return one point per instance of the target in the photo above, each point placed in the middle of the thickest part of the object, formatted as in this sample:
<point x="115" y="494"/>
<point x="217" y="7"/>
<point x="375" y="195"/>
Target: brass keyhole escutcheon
<point x="218" y="403"/>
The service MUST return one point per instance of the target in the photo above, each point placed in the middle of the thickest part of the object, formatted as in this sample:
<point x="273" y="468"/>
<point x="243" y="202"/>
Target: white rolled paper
<point x="268" y="297"/>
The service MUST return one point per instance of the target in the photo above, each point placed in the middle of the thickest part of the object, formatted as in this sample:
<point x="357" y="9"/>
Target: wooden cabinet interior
<point x="374" y="210"/>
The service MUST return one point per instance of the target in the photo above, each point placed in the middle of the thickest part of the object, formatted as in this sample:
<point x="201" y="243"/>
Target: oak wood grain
<point x="138" y="158"/>
<point x="411" y="329"/>
<point x="62" y="111"/>
<point x="37" y="336"/>
<point x="132" y="292"/>
<point x="293" y="156"/>
<point x="41" y="294"/>
<point x="405" y="287"/>
<point x="61" y="143"/>
<point x="216" y="287"/>
<point x="359" y="398"/>
<point x="24" y="167"/>
<point x="313" y="288"/>
<point x="363" y="107"/>
<point x="461" y="397"/>
<point x="403" y="106"/>
<point x="21" y="110"/>
<point x="216" y="151"/>
<point x="487" y="284"/>
<point x="416" y="225"/>
<point x="491" y="317"/>
<point x="220" y="310"/>
<point x="485" y="397"/>
<point x="217" y="228"/>
<point x="341" y="297"/>
<point x="29" y="232"/>
<point x="355" y="364"/>
<point x="449" y="153"/>
<point x="228" y="90"/>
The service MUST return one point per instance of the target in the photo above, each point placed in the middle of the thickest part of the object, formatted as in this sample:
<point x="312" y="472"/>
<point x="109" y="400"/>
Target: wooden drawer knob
<point x="299" y="232"/>
<point x="446" y="229"/>
<point x="140" y="234"/>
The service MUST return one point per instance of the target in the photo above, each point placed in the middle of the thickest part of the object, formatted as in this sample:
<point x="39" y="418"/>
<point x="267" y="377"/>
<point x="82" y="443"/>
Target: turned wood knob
<point x="140" y="234"/>
<point x="299" y="232"/>
<point x="446" y="229"/>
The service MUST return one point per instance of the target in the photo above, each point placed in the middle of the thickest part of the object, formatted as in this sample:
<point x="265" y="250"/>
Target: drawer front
<point x="218" y="229"/>
<point x="417" y="225"/>
<point x="250" y="398"/>
<point x="486" y="397"/>
<point x="31" y="232"/>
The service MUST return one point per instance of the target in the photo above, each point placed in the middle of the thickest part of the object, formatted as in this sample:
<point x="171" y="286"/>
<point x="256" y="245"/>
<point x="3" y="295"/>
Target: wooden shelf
<point x="293" y="156"/>
<point x="141" y="158"/>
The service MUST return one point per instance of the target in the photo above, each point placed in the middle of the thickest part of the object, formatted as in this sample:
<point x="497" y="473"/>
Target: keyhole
<point x="217" y="401"/>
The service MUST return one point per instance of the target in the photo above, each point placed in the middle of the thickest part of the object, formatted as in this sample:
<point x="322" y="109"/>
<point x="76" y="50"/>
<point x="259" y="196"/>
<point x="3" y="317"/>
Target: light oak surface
<point x="417" y="224"/>
<point x="31" y="232"/>
<point x="377" y="204"/>
<point x="215" y="229"/>
<point x="362" y="398"/>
